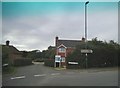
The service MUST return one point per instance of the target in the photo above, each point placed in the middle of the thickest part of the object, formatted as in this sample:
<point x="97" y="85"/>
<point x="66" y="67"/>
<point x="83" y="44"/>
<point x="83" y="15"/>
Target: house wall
<point x="69" y="49"/>
<point x="64" y="54"/>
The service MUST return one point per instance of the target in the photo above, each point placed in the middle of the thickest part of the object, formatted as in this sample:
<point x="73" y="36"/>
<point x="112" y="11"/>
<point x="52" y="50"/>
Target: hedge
<point x="49" y="62"/>
<point x="22" y="62"/>
<point x="72" y="66"/>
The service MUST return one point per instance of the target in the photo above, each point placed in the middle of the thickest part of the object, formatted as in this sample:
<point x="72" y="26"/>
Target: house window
<point x="63" y="59"/>
<point x="62" y="49"/>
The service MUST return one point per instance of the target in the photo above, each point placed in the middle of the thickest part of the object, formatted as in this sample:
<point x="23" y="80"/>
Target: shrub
<point x="49" y="62"/>
<point x="72" y="66"/>
<point x="22" y="62"/>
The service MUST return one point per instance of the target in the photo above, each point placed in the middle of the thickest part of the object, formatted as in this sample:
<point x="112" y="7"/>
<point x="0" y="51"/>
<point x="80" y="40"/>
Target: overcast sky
<point x="34" y="25"/>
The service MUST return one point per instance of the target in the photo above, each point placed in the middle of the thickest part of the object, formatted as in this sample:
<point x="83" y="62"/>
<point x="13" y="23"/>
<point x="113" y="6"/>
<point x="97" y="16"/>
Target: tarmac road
<point x="40" y="75"/>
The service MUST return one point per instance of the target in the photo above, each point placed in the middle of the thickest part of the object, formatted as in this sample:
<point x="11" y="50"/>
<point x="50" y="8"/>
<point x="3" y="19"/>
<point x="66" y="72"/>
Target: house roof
<point x="51" y="47"/>
<point x="69" y="43"/>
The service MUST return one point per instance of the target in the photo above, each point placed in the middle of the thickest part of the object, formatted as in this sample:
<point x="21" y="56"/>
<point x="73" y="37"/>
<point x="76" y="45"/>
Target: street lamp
<point x="86" y="29"/>
<point x="86" y="21"/>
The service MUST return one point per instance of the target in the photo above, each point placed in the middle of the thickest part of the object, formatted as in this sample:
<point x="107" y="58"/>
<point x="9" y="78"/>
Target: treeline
<point x="40" y="56"/>
<point x="104" y="54"/>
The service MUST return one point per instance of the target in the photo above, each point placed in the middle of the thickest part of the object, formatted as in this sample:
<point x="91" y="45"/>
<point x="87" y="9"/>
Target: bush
<point x="104" y="54"/>
<point x="22" y="62"/>
<point x="72" y="66"/>
<point x="8" y="70"/>
<point x="49" y="62"/>
<point x="39" y="60"/>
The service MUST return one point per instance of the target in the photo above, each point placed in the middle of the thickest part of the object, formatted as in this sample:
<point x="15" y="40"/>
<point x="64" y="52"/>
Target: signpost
<point x="73" y="63"/>
<point x="86" y="51"/>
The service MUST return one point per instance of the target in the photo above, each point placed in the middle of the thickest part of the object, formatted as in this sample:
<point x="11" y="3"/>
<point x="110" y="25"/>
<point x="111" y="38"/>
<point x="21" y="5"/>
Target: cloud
<point x="103" y="25"/>
<point x="38" y="32"/>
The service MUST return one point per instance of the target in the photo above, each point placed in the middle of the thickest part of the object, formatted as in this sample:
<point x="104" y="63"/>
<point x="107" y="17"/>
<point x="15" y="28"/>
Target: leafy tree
<point x="49" y="54"/>
<point x="33" y="54"/>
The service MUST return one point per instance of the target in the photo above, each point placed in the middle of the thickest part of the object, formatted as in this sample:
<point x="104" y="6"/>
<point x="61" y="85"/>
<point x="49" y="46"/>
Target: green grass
<point x="9" y="70"/>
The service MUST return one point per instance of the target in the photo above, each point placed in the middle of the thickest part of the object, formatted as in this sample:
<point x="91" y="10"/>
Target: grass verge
<point x="9" y="70"/>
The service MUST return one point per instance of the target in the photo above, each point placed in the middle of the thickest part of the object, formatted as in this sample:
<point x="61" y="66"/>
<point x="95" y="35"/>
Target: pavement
<point x="40" y="75"/>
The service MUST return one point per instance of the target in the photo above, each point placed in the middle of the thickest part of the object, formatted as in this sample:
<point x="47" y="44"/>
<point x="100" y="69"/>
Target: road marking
<point x="55" y="74"/>
<point x="20" y="77"/>
<point x="40" y="75"/>
<point x="38" y="63"/>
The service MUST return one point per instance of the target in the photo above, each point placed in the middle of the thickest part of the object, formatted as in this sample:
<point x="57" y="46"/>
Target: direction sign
<point x="86" y="51"/>
<point x="72" y="62"/>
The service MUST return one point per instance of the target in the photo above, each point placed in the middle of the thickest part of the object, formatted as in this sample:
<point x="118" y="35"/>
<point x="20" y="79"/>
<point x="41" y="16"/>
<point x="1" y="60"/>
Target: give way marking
<point x="40" y="75"/>
<point x="55" y="74"/>
<point x="20" y="77"/>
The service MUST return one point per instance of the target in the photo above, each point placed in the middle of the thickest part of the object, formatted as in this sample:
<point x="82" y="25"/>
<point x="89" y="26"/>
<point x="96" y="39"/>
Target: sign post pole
<point x="86" y="51"/>
<point x="86" y="59"/>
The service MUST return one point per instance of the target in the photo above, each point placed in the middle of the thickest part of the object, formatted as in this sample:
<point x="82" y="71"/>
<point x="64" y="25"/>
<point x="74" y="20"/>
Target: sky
<point x="34" y="25"/>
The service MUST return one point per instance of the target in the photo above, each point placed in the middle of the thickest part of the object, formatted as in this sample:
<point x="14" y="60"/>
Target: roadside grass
<point x="9" y="70"/>
<point x="60" y="68"/>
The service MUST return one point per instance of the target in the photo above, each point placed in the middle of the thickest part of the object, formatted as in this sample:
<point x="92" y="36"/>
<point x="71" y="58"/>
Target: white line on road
<point x="38" y="63"/>
<point x="40" y="75"/>
<point x="20" y="77"/>
<point x="55" y="74"/>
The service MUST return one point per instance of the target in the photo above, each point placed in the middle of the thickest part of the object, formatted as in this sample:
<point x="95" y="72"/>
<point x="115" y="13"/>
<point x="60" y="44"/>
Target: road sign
<point x="86" y="51"/>
<point x="72" y="62"/>
<point x="57" y="58"/>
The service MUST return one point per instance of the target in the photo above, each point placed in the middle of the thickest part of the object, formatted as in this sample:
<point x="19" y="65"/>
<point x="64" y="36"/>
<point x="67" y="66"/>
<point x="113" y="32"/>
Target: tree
<point x="34" y="54"/>
<point x="50" y="53"/>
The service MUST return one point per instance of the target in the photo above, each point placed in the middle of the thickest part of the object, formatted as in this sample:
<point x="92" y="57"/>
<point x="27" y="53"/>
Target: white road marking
<point x="38" y="63"/>
<point x="40" y="75"/>
<point x="20" y="77"/>
<point x="55" y="74"/>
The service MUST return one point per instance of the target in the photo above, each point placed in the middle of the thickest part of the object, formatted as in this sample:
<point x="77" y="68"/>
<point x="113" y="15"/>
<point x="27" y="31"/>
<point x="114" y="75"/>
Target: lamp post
<point x="86" y="29"/>
<point x="86" y="21"/>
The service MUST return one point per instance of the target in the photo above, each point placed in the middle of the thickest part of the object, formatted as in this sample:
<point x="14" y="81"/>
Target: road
<point x="40" y="75"/>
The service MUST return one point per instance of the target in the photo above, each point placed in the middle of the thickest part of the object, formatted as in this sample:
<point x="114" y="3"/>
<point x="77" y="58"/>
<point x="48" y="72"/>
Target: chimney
<point x="56" y="40"/>
<point x="7" y="43"/>
<point x="83" y="39"/>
